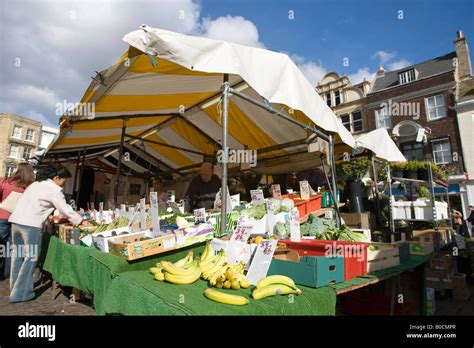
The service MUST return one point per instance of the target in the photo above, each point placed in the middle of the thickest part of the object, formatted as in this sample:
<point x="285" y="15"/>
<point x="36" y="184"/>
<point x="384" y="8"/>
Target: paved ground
<point x="446" y="305"/>
<point x="44" y="304"/>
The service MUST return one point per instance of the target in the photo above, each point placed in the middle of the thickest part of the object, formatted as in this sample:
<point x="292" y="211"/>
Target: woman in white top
<point x="33" y="208"/>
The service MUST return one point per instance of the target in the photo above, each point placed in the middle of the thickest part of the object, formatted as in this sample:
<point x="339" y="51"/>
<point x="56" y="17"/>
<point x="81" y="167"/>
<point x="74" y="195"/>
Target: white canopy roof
<point x="381" y="144"/>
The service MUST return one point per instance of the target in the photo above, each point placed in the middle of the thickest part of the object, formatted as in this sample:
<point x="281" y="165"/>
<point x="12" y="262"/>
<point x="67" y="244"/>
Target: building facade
<point x="22" y="138"/>
<point x="346" y="100"/>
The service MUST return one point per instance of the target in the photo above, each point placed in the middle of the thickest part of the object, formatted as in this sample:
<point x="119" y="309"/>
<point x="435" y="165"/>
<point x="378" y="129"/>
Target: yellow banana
<point x="274" y="289"/>
<point x="244" y="282"/>
<point x="206" y="275"/>
<point x="225" y="298"/>
<point x="212" y="262"/>
<point x="208" y="252"/>
<point x="159" y="276"/>
<point x="154" y="270"/>
<point x="186" y="279"/>
<point x="238" y="267"/>
<point x="216" y="275"/>
<point x="276" y="279"/>
<point x="185" y="260"/>
<point x="168" y="267"/>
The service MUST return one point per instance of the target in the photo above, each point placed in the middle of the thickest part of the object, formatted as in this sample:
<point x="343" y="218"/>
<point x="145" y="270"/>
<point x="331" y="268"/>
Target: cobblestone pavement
<point x="44" y="304"/>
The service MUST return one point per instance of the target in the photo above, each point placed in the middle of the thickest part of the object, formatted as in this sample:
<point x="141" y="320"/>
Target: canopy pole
<point x="119" y="164"/>
<point x="333" y="179"/>
<point x="225" y="106"/>
<point x="80" y="176"/>
<point x="376" y="191"/>
<point x="76" y="173"/>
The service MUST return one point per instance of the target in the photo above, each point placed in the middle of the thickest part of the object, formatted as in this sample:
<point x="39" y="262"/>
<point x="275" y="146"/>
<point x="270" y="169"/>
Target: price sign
<point x="270" y="223"/>
<point x="295" y="232"/>
<point x="257" y="196"/>
<point x="143" y="214"/>
<point x="154" y="212"/>
<point x="304" y="189"/>
<point x="200" y="215"/>
<point x="235" y="200"/>
<point x="328" y="214"/>
<point x="261" y="261"/>
<point x="242" y="230"/>
<point x="92" y="206"/>
<point x="276" y="191"/>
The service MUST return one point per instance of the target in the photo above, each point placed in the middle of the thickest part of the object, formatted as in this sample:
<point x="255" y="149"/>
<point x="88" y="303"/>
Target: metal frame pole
<point x="225" y="106"/>
<point x="376" y="198"/>
<point x="390" y="205"/>
<point x="76" y="173"/>
<point x="333" y="179"/>
<point x="119" y="164"/>
<point x="80" y="177"/>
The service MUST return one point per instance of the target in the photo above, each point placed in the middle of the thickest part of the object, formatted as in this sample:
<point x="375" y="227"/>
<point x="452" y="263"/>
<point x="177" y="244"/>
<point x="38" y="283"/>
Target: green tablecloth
<point x="122" y="287"/>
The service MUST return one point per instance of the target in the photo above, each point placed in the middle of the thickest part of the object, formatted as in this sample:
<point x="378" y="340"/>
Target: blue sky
<point x="65" y="41"/>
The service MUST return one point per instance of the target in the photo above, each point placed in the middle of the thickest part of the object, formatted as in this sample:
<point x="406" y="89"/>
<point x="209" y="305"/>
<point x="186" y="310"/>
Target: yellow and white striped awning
<point x="168" y="85"/>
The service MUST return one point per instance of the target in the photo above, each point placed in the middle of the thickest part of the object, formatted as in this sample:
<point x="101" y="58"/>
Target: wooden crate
<point x="420" y="248"/>
<point x="441" y="237"/>
<point x="386" y="256"/>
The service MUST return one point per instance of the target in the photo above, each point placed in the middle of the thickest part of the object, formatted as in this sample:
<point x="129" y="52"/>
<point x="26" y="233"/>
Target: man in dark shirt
<point x="203" y="188"/>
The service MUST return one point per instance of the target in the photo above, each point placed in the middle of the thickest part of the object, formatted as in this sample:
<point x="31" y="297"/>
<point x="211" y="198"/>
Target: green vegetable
<point x="282" y="230"/>
<point x="255" y="212"/>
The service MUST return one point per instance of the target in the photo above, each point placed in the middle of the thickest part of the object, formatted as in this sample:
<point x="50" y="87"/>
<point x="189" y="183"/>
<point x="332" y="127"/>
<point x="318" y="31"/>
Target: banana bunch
<point x="275" y="285"/>
<point x="184" y="271"/>
<point x="230" y="277"/>
<point x="222" y="297"/>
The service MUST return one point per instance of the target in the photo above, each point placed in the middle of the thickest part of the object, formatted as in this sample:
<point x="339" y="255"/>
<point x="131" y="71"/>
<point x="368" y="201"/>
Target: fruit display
<point x="226" y="298"/>
<point x="116" y="223"/>
<point x="275" y="285"/>
<point x="182" y="272"/>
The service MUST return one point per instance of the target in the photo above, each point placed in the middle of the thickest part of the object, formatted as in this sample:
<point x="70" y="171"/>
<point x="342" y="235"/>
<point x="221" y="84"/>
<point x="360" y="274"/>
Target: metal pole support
<point x="333" y="179"/>
<point x="225" y="112"/>
<point x="119" y="164"/>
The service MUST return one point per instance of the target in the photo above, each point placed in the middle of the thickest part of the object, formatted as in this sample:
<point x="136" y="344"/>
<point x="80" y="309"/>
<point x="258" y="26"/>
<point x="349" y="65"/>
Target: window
<point x="352" y="122"/>
<point x="383" y="118"/>
<point x="328" y="99"/>
<point x="441" y="151"/>
<point x="13" y="151"/>
<point x="346" y="121"/>
<point x="30" y="133"/>
<point x="27" y="153"/>
<point x="337" y="97"/>
<point x="406" y="76"/>
<point x="413" y="151"/>
<point x="9" y="171"/>
<point x="357" y="121"/>
<point x="435" y="107"/>
<point x="16" y="132"/>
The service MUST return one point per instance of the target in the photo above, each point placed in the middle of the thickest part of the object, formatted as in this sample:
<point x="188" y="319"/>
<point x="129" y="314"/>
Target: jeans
<point x="26" y="248"/>
<point x="5" y="241"/>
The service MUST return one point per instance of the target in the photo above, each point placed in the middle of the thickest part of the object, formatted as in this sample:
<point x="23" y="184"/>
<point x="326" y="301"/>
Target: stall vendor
<point x="157" y="185"/>
<point x="203" y="188"/>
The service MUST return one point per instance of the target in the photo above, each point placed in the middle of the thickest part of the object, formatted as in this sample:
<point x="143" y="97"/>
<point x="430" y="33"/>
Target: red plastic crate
<point x="354" y="265"/>
<point x="302" y="207"/>
<point x="290" y="195"/>
<point x="314" y="203"/>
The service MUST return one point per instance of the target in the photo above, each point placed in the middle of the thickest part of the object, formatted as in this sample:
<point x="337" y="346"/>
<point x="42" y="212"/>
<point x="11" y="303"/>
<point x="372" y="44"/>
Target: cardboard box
<point x="312" y="271"/>
<point x="102" y="243"/>
<point x="131" y="247"/>
<point x="357" y="220"/>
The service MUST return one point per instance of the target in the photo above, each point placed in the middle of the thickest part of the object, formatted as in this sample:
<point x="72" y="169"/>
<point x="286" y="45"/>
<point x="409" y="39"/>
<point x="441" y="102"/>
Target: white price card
<point x="200" y="215"/>
<point x="261" y="261"/>
<point x="242" y="230"/>
<point x="328" y="214"/>
<point x="235" y="200"/>
<point x="87" y="240"/>
<point x="270" y="223"/>
<point x="154" y="212"/>
<point x="123" y="208"/>
<point x="295" y="232"/>
<point x="257" y="196"/>
<point x="143" y="214"/>
<point x="304" y="190"/>
<point x="276" y="191"/>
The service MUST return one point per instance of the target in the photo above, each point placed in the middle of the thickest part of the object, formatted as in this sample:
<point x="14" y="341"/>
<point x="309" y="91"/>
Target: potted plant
<point x="411" y="170"/>
<point x="423" y="192"/>
<point x="423" y="171"/>
<point x="354" y="171"/>
<point x="397" y="169"/>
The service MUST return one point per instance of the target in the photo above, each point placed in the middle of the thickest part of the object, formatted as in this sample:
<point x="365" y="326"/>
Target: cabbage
<point x="287" y="204"/>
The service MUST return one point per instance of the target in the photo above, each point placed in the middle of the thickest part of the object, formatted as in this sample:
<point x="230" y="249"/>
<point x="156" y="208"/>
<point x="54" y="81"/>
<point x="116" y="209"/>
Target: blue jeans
<point x="26" y="248"/>
<point x="5" y="241"/>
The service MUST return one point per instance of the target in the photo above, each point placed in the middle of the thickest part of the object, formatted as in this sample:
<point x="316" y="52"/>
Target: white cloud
<point x="234" y="29"/>
<point x="360" y="75"/>
<point x="384" y="56"/>
<point x="399" y="64"/>
<point x="314" y="71"/>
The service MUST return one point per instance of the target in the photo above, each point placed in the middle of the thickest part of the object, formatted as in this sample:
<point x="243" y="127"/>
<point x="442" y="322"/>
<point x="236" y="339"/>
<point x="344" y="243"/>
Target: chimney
<point x="381" y="71"/>
<point x="463" y="58"/>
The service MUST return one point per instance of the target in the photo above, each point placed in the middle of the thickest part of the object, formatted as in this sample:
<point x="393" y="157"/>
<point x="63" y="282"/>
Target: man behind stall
<point x="203" y="188"/>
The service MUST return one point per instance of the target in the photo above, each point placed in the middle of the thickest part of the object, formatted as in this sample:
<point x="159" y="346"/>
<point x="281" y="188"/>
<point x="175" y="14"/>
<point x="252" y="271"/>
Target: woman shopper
<point x="21" y="179"/>
<point x="35" y="205"/>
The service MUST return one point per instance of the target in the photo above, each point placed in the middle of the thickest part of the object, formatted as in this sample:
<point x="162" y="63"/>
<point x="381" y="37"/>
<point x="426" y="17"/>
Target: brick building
<point x="22" y="138"/>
